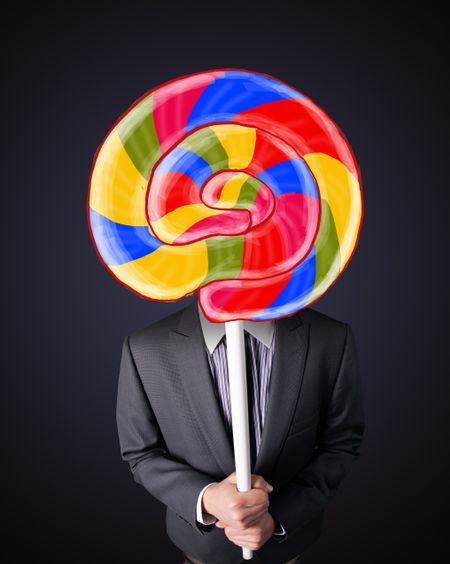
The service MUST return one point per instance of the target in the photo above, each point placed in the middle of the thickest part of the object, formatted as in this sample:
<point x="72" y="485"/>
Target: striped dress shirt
<point x="259" y="363"/>
<point x="259" y="347"/>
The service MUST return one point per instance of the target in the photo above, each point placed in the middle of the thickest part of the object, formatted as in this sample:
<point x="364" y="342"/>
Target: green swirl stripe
<point x="138" y="135"/>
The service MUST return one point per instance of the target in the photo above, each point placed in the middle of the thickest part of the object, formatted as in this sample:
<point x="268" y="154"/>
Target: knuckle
<point x="237" y="516"/>
<point x="233" y="504"/>
<point x="238" y="501"/>
<point x="241" y="522"/>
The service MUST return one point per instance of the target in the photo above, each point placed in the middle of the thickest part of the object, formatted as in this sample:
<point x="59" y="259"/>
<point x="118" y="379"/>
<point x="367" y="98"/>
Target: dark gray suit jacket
<point x="173" y="436"/>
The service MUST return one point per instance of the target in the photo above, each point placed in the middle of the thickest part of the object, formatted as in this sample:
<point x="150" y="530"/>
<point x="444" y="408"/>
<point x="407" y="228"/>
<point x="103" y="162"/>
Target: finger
<point x="241" y="534"/>
<point x="220" y="525"/>
<point x="241" y="518"/>
<point x="253" y="497"/>
<point x="242" y="542"/>
<point x="234" y="531"/>
<point x="261" y="483"/>
<point x="255" y="519"/>
<point x="249" y="515"/>
<point x="236" y="539"/>
<point x="250" y="509"/>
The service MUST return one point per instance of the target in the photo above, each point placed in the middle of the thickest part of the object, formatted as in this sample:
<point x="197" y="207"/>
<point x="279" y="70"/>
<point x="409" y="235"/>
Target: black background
<point x="69" y="71"/>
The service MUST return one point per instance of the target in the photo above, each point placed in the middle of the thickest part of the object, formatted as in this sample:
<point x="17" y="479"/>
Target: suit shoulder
<point x="322" y="322"/>
<point x="328" y="336"/>
<point x="157" y="330"/>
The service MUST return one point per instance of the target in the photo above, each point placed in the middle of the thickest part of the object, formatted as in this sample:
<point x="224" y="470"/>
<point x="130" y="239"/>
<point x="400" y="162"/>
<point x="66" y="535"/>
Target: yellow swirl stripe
<point x="117" y="187"/>
<point x="341" y="190"/>
<point x="176" y="222"/>
<point x="169" y="273"/>
<point x="231" y="190"/>
<point x="238" y="142"/>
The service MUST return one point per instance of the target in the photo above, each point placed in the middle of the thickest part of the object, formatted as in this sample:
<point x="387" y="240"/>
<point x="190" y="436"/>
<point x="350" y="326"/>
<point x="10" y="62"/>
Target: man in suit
<point x="306" y="413"/>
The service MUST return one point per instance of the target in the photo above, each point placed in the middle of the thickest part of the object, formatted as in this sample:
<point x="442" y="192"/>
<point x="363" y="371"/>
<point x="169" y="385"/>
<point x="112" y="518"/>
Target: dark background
<point x="69" y="72"/>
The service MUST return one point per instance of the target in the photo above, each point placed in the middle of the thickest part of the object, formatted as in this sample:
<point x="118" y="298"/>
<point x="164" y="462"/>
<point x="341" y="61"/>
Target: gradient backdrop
<point x="68" y="73"/>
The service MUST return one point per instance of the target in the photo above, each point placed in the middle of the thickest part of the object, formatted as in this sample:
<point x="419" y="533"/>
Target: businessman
<point x="306" y="428"/>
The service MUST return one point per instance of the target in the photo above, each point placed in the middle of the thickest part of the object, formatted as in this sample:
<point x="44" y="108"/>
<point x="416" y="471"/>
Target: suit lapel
<point x="189" y="350"/>
<point x="291" y="345"/>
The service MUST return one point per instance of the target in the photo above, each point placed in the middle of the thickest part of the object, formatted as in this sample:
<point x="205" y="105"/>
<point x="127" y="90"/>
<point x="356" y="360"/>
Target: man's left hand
<point x="253" y="537"/>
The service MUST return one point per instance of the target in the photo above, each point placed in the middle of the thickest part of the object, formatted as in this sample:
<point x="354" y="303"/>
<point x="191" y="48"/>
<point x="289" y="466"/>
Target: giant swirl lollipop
<point x="235" y="185"/>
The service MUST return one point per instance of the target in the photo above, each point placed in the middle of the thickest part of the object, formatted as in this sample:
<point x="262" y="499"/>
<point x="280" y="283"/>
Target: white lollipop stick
<point x="239" y="412"/>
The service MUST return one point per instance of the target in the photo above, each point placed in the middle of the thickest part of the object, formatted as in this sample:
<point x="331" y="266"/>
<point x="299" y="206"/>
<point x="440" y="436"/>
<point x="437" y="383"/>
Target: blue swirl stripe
<point x="118" y="243"/>
<point x="290" y="176"/>
<point x="296" y="292"/>
<point x="234" y="92"/>
<point x="187" y="162"/>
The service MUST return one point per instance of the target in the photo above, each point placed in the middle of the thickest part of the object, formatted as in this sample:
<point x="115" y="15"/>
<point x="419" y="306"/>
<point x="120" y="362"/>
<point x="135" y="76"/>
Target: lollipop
<point x="230" y="183"/>
<point x="235" y="185"/>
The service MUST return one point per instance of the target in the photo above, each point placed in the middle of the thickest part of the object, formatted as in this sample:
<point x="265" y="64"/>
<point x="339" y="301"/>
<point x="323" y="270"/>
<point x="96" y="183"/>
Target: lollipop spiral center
<point x="251" y="201"/>
<point x="235" y="181"/>
<point x="201" y="190"/>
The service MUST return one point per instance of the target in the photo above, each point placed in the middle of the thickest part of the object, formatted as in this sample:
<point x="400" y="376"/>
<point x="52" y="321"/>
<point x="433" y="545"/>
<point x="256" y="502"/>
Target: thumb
<point x="261" y="483"/>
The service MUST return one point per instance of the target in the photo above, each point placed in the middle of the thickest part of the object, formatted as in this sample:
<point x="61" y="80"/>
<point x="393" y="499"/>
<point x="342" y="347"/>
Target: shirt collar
<point x="213" y="332"/>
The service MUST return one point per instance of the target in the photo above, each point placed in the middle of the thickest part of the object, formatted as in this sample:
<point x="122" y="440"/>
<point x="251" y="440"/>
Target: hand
<point x="253" y="537"/>
<point x="238" y="510"/>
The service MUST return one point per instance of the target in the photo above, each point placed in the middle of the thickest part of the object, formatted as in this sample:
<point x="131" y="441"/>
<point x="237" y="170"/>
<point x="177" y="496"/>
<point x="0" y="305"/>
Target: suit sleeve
<point x="337" y="446"/>
<point x="172" y="482"/>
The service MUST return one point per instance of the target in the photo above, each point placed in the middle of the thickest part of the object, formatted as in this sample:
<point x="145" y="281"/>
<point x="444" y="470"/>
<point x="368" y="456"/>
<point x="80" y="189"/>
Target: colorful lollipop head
<point x="230" y="183"/>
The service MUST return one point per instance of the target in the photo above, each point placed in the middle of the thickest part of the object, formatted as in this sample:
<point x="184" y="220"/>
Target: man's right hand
<point x="237" y="509"/>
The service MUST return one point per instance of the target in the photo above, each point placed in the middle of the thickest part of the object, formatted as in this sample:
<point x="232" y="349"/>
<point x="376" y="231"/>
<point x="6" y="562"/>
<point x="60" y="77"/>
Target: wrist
<point x="207" y="503"/>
